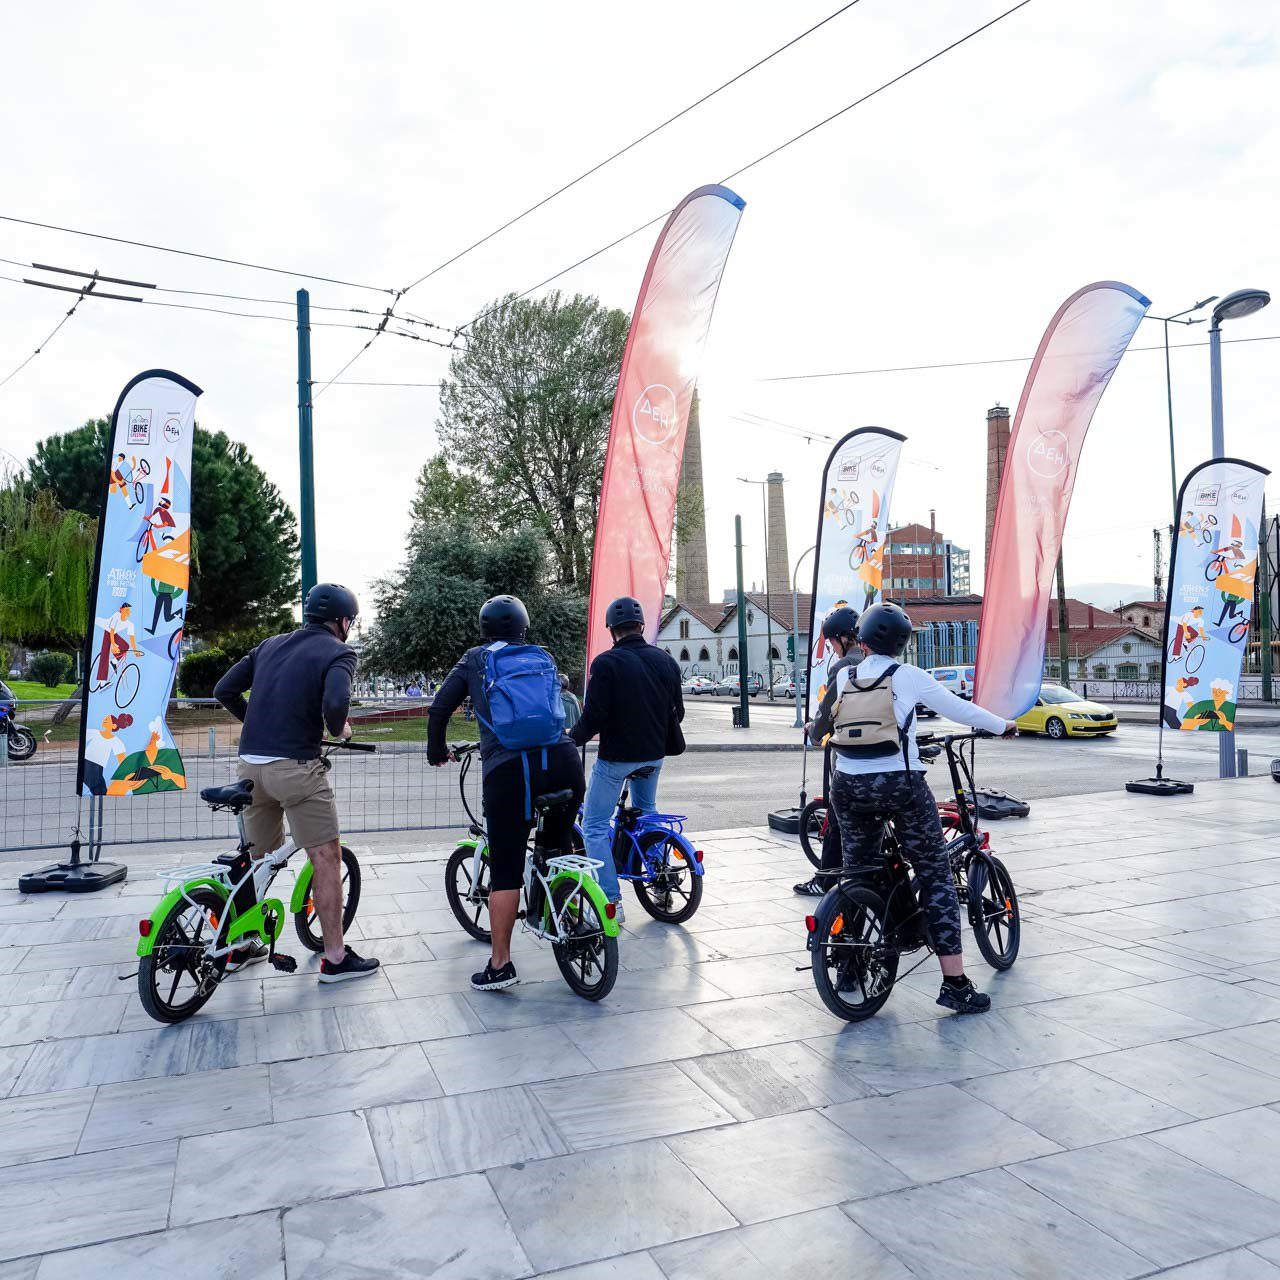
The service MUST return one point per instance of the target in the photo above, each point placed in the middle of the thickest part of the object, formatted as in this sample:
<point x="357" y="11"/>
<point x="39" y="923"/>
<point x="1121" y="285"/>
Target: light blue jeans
<point x="603" y="791"/>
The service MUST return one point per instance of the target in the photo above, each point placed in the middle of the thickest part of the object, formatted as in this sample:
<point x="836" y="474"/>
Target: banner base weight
<point x="1159" y="787"/>
<point x="785" y="820"/>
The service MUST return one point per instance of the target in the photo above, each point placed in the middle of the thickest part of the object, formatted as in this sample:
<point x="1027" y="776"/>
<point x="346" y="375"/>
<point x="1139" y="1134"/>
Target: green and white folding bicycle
<point x="563" y="901"/>
<point x="211" y="911"/>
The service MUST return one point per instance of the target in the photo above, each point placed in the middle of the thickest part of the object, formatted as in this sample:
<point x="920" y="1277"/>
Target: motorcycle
<point x="22" y="742"/>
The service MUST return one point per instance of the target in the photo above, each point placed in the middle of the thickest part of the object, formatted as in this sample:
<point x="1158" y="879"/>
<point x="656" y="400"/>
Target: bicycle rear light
<point x="611" y="910"/>
<point x="811" y="923"/>
<point x="697" y="854"/>
<point x="144" y="928"/>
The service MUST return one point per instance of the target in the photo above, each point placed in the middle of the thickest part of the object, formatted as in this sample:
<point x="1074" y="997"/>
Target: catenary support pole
<point x="744" y="701"/>
<point x="1227" y="740"/>
<point x="307" y="487"/>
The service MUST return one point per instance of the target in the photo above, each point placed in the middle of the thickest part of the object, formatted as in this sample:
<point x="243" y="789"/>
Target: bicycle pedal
<point x="286" y="964"/>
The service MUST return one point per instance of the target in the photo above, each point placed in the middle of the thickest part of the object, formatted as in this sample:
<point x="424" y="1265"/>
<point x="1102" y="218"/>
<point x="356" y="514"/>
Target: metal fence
<point x="394" y="790"/>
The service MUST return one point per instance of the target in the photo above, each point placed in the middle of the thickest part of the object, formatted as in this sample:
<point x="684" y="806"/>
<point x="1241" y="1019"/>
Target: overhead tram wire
<point x="635" y="142"/>
<point x="581" y="177"/>
<point x="291" y="303"/>
<point x="84" y="293"/>
<point x="773" y="151"/>
<point x="222" y="311"/>
<point x="191" y="253"/>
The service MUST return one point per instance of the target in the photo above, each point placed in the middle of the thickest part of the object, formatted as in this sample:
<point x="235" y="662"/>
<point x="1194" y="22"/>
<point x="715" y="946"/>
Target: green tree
<point x="427" y="613"/>
<point x="46" y="557"/>
<point x="244" y="543"/>
<point x="525" y="410"/>
<point x="446" y="496"/>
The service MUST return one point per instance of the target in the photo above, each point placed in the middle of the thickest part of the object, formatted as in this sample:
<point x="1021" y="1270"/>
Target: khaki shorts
<point x="296" y="789"/>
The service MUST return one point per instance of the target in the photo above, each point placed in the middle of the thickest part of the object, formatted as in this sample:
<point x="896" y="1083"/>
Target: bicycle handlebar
<point x="460" y="749"/>
<point x="347" y="745"/>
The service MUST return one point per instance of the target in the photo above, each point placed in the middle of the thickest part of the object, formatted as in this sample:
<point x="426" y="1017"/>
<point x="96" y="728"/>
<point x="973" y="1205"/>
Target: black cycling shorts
<point x="508" y="795"/>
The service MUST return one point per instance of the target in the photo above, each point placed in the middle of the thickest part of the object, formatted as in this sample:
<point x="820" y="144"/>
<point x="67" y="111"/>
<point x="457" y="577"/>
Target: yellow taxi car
<point x="1062" y="713"/>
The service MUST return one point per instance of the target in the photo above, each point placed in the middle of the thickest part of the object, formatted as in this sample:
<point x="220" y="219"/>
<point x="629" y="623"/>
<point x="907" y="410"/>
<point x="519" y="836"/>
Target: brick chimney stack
<point x="997" y="448"/>
<point x="692" y="582"/>
<point x="779" y="563"/>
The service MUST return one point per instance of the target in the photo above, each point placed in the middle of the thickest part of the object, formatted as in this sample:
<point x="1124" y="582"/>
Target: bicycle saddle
<point x="554" y="800"/>
<point x="235" y="796"/>
<point x="646" y="772"/>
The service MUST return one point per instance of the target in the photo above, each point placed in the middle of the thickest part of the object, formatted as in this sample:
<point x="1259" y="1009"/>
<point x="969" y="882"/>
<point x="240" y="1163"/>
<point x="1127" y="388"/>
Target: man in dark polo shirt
<point x="301" y="684"/>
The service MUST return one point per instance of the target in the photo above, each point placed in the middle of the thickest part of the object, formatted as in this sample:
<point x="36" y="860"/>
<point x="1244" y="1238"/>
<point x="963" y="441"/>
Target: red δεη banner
<point x="1077" y="356"/>
<point x="651" y="410"/>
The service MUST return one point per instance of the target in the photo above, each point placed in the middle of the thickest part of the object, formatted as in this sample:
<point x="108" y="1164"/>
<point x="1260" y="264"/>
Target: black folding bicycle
<point x="867" y="921"/>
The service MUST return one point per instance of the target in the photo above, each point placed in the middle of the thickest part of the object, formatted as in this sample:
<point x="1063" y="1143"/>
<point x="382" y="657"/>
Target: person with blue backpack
<point x="514" y="689"/>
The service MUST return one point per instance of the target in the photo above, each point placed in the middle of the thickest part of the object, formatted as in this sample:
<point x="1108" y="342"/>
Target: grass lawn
<point x="32" y="690"/>
<point x="415" y="730"/>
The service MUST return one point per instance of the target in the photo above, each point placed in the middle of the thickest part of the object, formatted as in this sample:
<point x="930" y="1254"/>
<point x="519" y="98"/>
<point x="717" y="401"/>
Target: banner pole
<point x="307" y="494"/>
<point x="744" y="702"/>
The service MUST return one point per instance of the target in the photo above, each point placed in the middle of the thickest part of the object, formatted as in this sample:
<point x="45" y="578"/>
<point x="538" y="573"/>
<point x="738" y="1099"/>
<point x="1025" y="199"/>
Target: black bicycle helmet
<point x="330" y="602"/>
<point x="503" y="618"/>
<point x="623" y="610"/>
<point x="840" y="624"/>
<point x="885" y="628"/>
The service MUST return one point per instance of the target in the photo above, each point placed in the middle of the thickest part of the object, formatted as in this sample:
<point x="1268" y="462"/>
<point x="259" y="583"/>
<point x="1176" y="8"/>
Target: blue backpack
<point x="522" y="686"/>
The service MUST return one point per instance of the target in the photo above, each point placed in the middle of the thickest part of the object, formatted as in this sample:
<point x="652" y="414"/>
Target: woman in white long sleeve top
<point x="867" y="789"/>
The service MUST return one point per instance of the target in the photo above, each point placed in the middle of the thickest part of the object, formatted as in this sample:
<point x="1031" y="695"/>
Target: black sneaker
<point x="254" y="953"/>
<point x="964" y="999"/>
<point x="491" y="979"/>
<point x="814" y="888"/>
<point x="352" y="966"/>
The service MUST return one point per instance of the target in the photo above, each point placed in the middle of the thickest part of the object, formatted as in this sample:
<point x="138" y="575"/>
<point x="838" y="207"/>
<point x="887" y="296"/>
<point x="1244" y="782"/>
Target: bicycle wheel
<point x="853" y="968"/>
<point x="813" y="828"/>
<point x="176" y="979"/>
<point x="22" y="743"/>
<point x="468" y="901"/>
<point x="1214" y="570"/>
<point x="307" y="923"/>
<point x="993" y="910"/>
<point x="138" y="494"/>
<point x="127" y="683"/>
<point x="588" y="958"/>
<point x="1238" y="632"/>
<point x="673" y="892"/>
<point x="141" y="549"/>
<point x="1194" y="659"/>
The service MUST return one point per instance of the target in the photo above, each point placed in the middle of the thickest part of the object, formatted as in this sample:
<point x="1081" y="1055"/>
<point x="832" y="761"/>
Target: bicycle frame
<point x="638" y="825"/>
<point x="568" y="866"/>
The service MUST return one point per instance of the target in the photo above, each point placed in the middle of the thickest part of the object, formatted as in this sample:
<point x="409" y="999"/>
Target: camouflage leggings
<point x="862" y="802"/>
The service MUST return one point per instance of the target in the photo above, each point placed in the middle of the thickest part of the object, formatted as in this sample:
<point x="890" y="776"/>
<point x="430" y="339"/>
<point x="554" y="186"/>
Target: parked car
<point x="1062" y="713"/>
<point x="696" y="685"/>
<point x="729" y="685"/>
<point x="785" y="688"/>
<point x="958" y="679"/>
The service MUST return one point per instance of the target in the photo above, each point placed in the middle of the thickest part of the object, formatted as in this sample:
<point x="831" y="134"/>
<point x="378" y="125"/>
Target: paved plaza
<point x="1116" y="1115"/>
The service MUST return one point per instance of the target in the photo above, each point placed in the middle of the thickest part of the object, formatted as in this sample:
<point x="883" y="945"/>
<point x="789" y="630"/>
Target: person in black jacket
<point x="510" y="781"/>
<point x="301" y="684"/>
<point x="635" y="705"/>
<point x="840" y="631"/>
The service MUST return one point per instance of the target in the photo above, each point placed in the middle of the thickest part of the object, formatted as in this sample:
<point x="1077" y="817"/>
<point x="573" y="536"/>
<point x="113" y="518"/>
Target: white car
<point x="785" y="688"/>
<point x="696" y="685"/>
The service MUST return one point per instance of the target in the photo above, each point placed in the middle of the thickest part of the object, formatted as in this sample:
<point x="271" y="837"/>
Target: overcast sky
<point x="943" y="221"/>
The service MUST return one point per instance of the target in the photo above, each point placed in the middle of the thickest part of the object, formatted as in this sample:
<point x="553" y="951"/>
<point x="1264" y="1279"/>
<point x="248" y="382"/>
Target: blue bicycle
<point x="652" y="851"/>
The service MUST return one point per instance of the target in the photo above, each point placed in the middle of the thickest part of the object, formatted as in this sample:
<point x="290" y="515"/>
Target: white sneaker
<point x="619" y="914"/>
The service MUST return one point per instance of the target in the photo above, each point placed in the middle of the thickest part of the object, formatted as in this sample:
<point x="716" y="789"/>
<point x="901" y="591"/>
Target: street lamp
<point x="768" y="601"/>
<point x="1243" y="302"/>
<point x="1176" y="318"/>
<point x="795" y="638"/>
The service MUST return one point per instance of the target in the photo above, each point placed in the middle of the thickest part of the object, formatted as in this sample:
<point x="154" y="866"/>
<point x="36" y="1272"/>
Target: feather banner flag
<point x="1075" y="360"/>
<point x="137" y="597"/>
<point x="1211" y="591"/>
<point x="853" y="527"/>
<point x="651" y="410"/>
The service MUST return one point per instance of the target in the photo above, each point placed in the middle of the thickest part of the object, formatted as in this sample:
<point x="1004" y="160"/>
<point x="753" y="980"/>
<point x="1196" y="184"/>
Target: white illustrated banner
<point x="138" y="595"/>
<point x="853" y="526"/>
<point x="1212" y="581"/>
